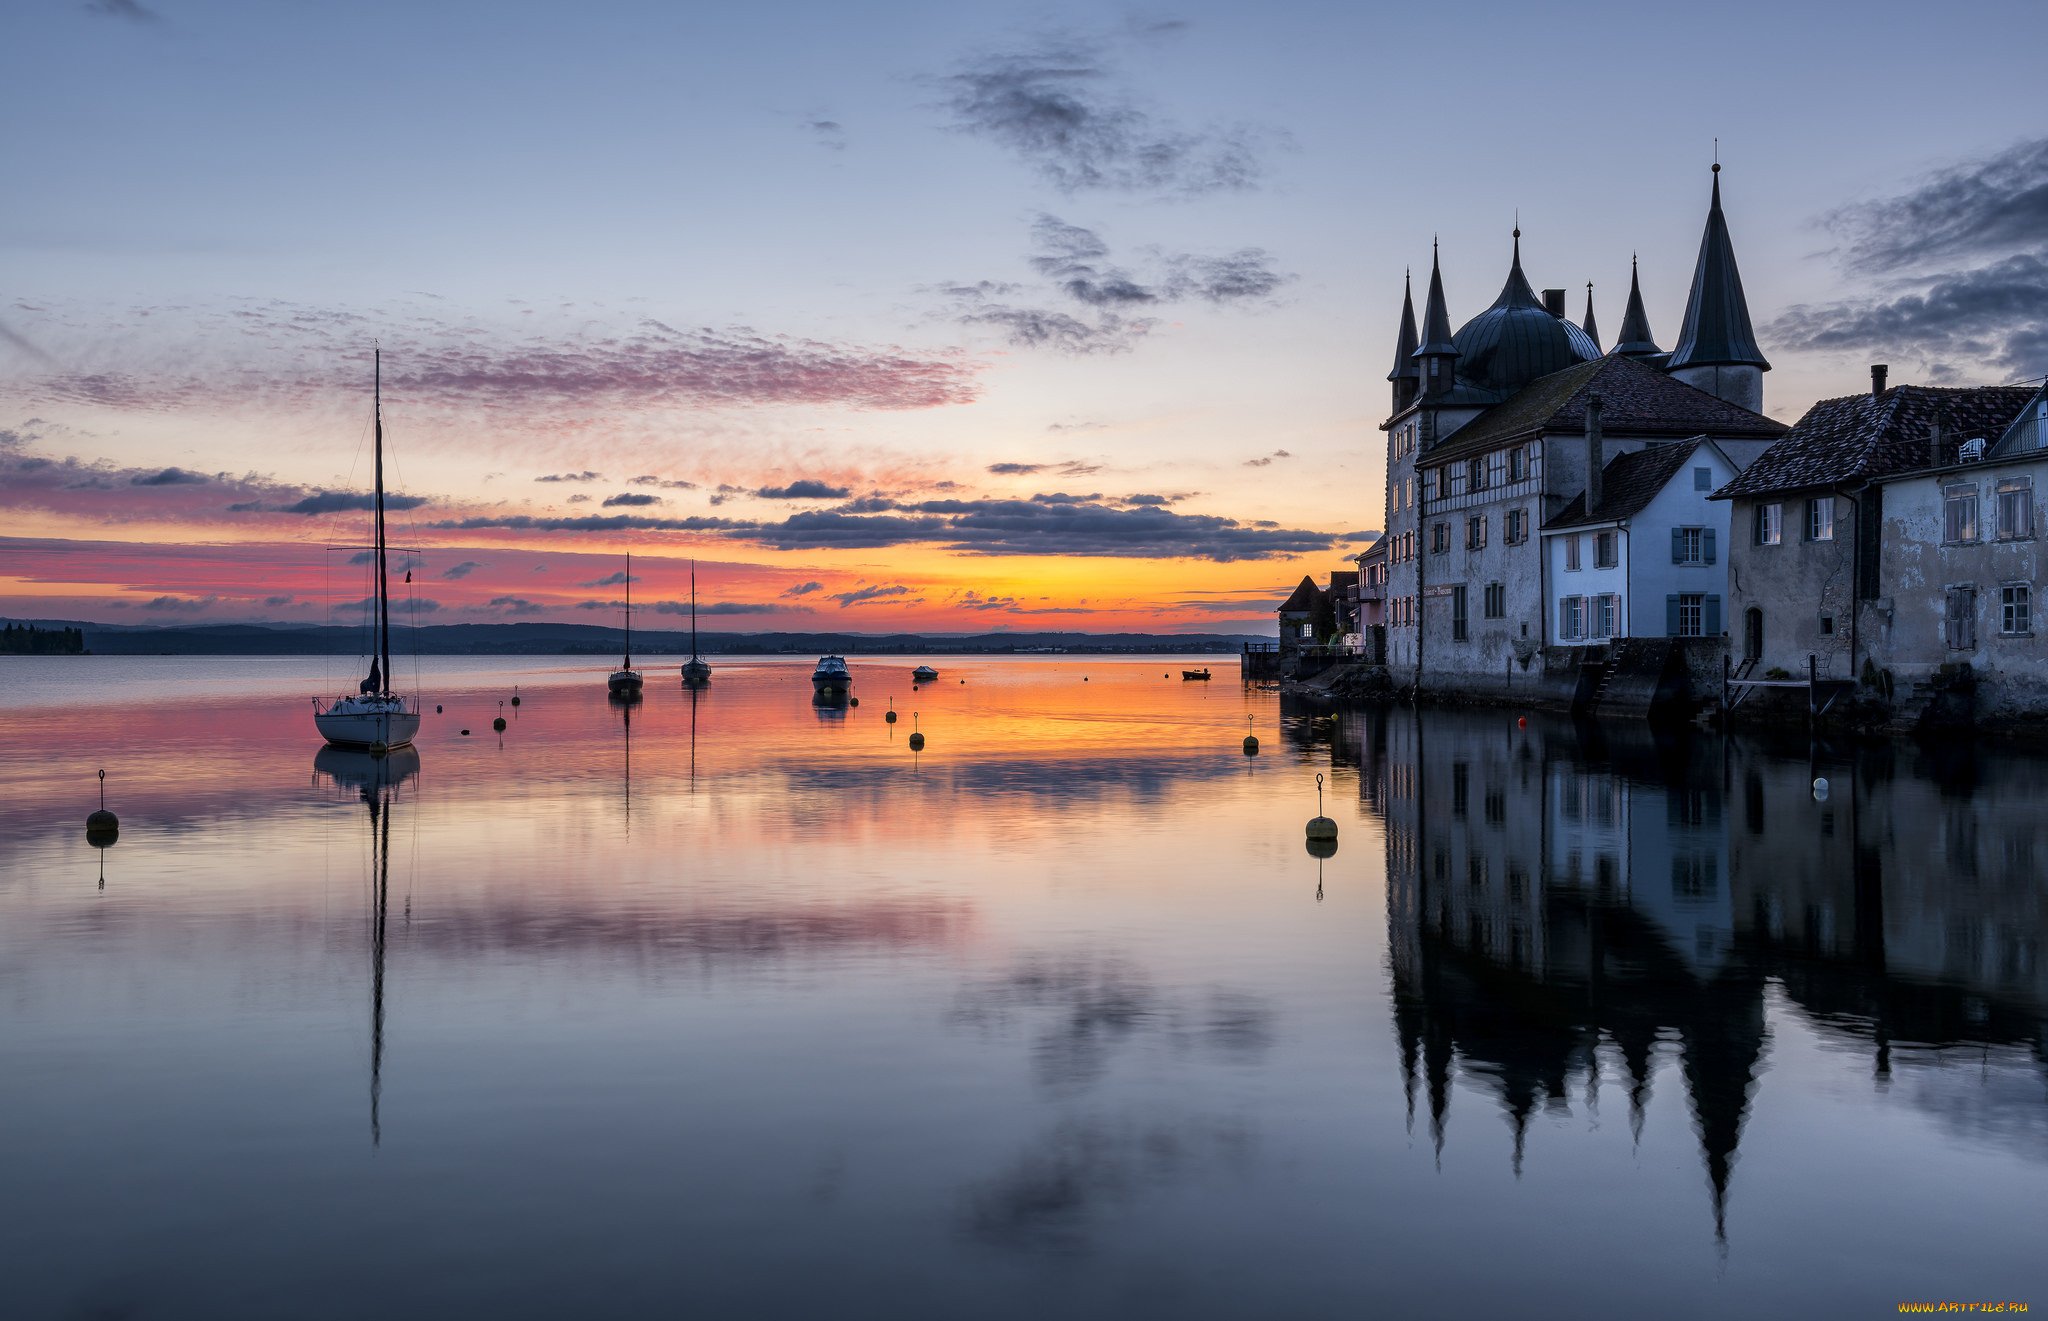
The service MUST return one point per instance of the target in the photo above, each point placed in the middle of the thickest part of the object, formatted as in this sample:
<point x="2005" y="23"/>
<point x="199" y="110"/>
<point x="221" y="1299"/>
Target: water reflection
<point x="1560" y="895"/>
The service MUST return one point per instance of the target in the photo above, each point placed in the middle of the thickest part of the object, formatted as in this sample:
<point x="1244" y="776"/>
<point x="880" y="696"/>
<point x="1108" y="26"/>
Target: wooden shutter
<point x="1678" y="545"/>
<point x="1707" y="546"/>
<point x="1671" y="616"/>
<point x="1710" y="614"/>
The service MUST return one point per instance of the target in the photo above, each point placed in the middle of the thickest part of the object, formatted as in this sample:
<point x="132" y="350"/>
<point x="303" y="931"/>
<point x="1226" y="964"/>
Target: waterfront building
<point x="1488" y="442"/>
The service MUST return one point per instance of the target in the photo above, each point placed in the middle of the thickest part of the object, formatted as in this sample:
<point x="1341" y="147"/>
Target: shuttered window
<point x="1959" y="622"/>
<point x="1692" y="545"/>
<point x="2015" y="508"/>
<point x="1692" y="615"/>
<point x="1959" y="514"/>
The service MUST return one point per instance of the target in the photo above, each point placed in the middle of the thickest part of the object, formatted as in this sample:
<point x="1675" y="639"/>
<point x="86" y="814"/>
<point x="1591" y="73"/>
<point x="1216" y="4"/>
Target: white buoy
<point x="1820" y="789"/>
<point x="1321" y="827"/>
<point x="1251" y="744"/>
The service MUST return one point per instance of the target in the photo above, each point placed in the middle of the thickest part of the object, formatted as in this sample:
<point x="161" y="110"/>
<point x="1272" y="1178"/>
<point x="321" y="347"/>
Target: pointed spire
<point x="1592" y="326"/>
<point x="1717" y="332"/>
<point x="1517" y="291"/>
<point x="1436" y="319"/>
<point x="1404" y="343"/>
<point x="1636" y="340"/>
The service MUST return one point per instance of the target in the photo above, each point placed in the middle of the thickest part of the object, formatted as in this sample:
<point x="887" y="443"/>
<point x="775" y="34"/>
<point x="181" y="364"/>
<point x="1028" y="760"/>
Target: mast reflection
<point x="374" y="779"/>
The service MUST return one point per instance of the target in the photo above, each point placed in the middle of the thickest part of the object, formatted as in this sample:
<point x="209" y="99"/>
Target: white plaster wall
<point x="1586" y="580"/>
<point x="1652" y="576"/>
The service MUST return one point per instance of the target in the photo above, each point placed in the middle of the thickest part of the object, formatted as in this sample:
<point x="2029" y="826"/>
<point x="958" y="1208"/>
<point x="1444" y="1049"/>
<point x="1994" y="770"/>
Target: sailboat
<point x="373" y="718"/>
<point x="625" y="681"/>
<point x="696" y="671"/>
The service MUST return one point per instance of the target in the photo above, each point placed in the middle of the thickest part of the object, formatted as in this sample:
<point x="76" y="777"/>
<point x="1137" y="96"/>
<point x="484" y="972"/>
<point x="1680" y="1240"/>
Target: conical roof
<point x="1404" y="343"/>
<point x="1592" y="327"/>
<point x="1436" y="320"/>
<point x="1517" y="339"/>
<point x="1716" y="332"/>
<point x="1636" y="340"/>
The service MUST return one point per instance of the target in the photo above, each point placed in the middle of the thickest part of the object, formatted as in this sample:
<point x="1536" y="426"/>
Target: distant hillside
<point x="542" y="639"/>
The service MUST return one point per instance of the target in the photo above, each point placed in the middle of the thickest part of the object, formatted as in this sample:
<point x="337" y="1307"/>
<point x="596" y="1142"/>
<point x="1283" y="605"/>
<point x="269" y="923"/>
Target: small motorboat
<point x="924" y="674"/>
<point x="1194" y="674"/>
<point x="832" y="676"/>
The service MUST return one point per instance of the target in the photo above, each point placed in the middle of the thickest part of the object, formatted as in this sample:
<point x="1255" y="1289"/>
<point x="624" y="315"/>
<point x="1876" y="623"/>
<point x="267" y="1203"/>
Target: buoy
<point x="515" y="696"/>
<point x="499" y="723"/>
<point x="1084" y="678"/>
<point x="963" y="681"/>
<point x="1251" y="745"/>
<point x="1521" y="722"/>
<point x="891" y="714"/>
<point x="102" y="826"/>
<point x="465" y="733"/>
<point x="1820" y="790"/>
<point x="437" y="708"/>
<point x="1321" y="848"/>
<point x="853" y="701"/>
<point x="1321" y="828"/>
<point x="916" y="739"/>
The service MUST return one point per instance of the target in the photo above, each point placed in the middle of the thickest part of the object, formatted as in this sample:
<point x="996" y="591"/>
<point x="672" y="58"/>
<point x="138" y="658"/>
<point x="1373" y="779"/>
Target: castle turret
<point x="1407" y="375"/>
<point x="1636" y="340"/>
<point x="1592" y="326"/>
<point x="1717" y="351"/>
<point x="1436" y="357"/>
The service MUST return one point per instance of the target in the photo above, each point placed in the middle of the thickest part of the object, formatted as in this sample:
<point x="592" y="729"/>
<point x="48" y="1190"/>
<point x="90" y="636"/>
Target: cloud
<point x="169" y="477"/>
<point x="284" y="599"/>
<point x="804" y="589"/>
<point x="1076" y="259"/>
<point x="1070" y="468"/>
<point x="180" y="604"/>
<point x="630" y="498"/>
<point x="972" y="600"/>
<point x="1246" y="273"/>
<point x="1054" y="108"/>
<point x="827" y="133"/>
<point x="514" y="605"/>
<point x="462" y="570"/>
<point x="1930" y="306"/>
<point x="618" y="579"/>
<point x="1265" y="460"/>
<point x="333" y="502"/>
<point x="672" y="484"/>
<point x="862" y="595"/>
<point x="578" y="499"/>
<point x="572" y="477"/>
<point x="1038" y="328"/>
<point x="803" y="490"/>
<point x="1147" y="498"/>
<point x="703" y="608"/>
<point x="127" y="9"/>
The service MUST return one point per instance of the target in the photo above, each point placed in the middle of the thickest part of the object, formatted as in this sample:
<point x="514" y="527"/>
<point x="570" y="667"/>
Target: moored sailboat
<point x="373" y="718"/>
<point x="625" y="682"/>
<point x="696" y="670"/>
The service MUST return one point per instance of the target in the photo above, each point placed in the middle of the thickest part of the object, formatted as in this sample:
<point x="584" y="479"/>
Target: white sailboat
<point x="696" y="670"/>
<point x="373" y="718"/>
<point x="625" y="682"/>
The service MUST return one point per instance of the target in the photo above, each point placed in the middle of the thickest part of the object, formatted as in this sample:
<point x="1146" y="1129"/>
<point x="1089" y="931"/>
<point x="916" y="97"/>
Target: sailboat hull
<point x="368" y="730"/>
<point x="696" y="672"/>
<point x="625" y="683"/>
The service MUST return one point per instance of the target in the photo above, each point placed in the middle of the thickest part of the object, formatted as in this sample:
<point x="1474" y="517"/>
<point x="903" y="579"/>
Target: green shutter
<point x="1678" y="545"/>
<point x="1707" y="544"/>
<point x="1671" y="616"/>
<point x="1710" y="614"/>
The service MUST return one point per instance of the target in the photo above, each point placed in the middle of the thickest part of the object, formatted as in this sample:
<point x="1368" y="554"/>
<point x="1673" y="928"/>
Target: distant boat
<point x="1194" y="674"/>
<point x="924" y="674"/>
<point x="696" y="671"/>
<point x="373" y="718"/>
<point x="832" y="676"/>
<point x="625" y="682"/>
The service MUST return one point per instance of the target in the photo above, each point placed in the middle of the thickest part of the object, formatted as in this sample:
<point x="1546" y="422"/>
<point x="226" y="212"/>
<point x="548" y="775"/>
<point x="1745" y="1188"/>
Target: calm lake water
<point x="735" y="1006"/>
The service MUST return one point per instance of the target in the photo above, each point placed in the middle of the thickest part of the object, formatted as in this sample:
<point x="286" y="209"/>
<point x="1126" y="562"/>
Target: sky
<point x="902" y="316"/>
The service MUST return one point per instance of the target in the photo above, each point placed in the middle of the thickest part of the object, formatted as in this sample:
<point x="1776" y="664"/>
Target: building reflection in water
<point x="375" y="780"/>
<point x="1561" y="895"/>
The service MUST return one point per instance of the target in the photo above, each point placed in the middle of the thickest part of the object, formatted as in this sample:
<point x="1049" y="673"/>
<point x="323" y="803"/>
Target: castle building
<point x="1500" y="425"/>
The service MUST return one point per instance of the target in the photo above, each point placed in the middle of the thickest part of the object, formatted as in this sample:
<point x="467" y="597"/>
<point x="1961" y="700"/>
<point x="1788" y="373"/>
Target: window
<point x="1475" y="475"/>
<point x="1496" y="600"/>
<point x="1820" y="518"/>
<point x="1518" y="464"/>
<point x="2016" y="610"/>
<point x="1452" y="482"/>
<point x="1458" y="626"/>
<point x="1606" y="553"/>
<point x="1959" y="618"/>
<point x="1439" y="538"/>
<point x="1959" y="508"/>
<point x="1496" y="468"/>
<point x="2015" y="508"/>
<point x="1571" y="552"/>
<point x="1606" y="616"/>
<point x="1692" y="545"/>
<point x="1770" y="524"/>
<point x="1429" y="483"/>
<point x="1571" y="618"/>
<point x="1307" y="630"/>
<point x="1702" y="479"/>
<point x="1514" y="527"/>
<point x="1691" y="615"/>
<point x="1827" y="625"/>
<point x="1475" y="532"/>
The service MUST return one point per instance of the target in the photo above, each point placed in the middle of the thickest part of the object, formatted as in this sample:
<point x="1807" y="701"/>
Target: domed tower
<point x="1518" y="339"/>
<point x="1717" y="351"/>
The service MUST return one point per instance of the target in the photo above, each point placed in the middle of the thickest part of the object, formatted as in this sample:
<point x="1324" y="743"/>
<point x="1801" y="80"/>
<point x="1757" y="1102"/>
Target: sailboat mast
<point x="628" y="663"/>
<point x="693" y="609"/>
<point x="383" y="584"/>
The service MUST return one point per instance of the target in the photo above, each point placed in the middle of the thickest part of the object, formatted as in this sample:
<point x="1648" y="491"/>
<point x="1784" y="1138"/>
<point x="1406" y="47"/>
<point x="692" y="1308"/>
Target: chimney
<point x="1877" y="371"/>
<point x="1937" y="447"/>
<point x="1553" y="302"/>
<point x="1596" y="457"/>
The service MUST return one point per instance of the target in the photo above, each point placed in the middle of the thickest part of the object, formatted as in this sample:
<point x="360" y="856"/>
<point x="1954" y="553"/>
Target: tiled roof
<point x="1636" y="400"/>
<point x="1862" y="436"/>
<point x="1305" y="594"/>
<point x="1627" y="484"/>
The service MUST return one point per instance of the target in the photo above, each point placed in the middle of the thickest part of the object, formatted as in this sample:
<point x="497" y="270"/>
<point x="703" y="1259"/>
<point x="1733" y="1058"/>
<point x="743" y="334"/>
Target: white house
<point x="1642" y="553"/>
